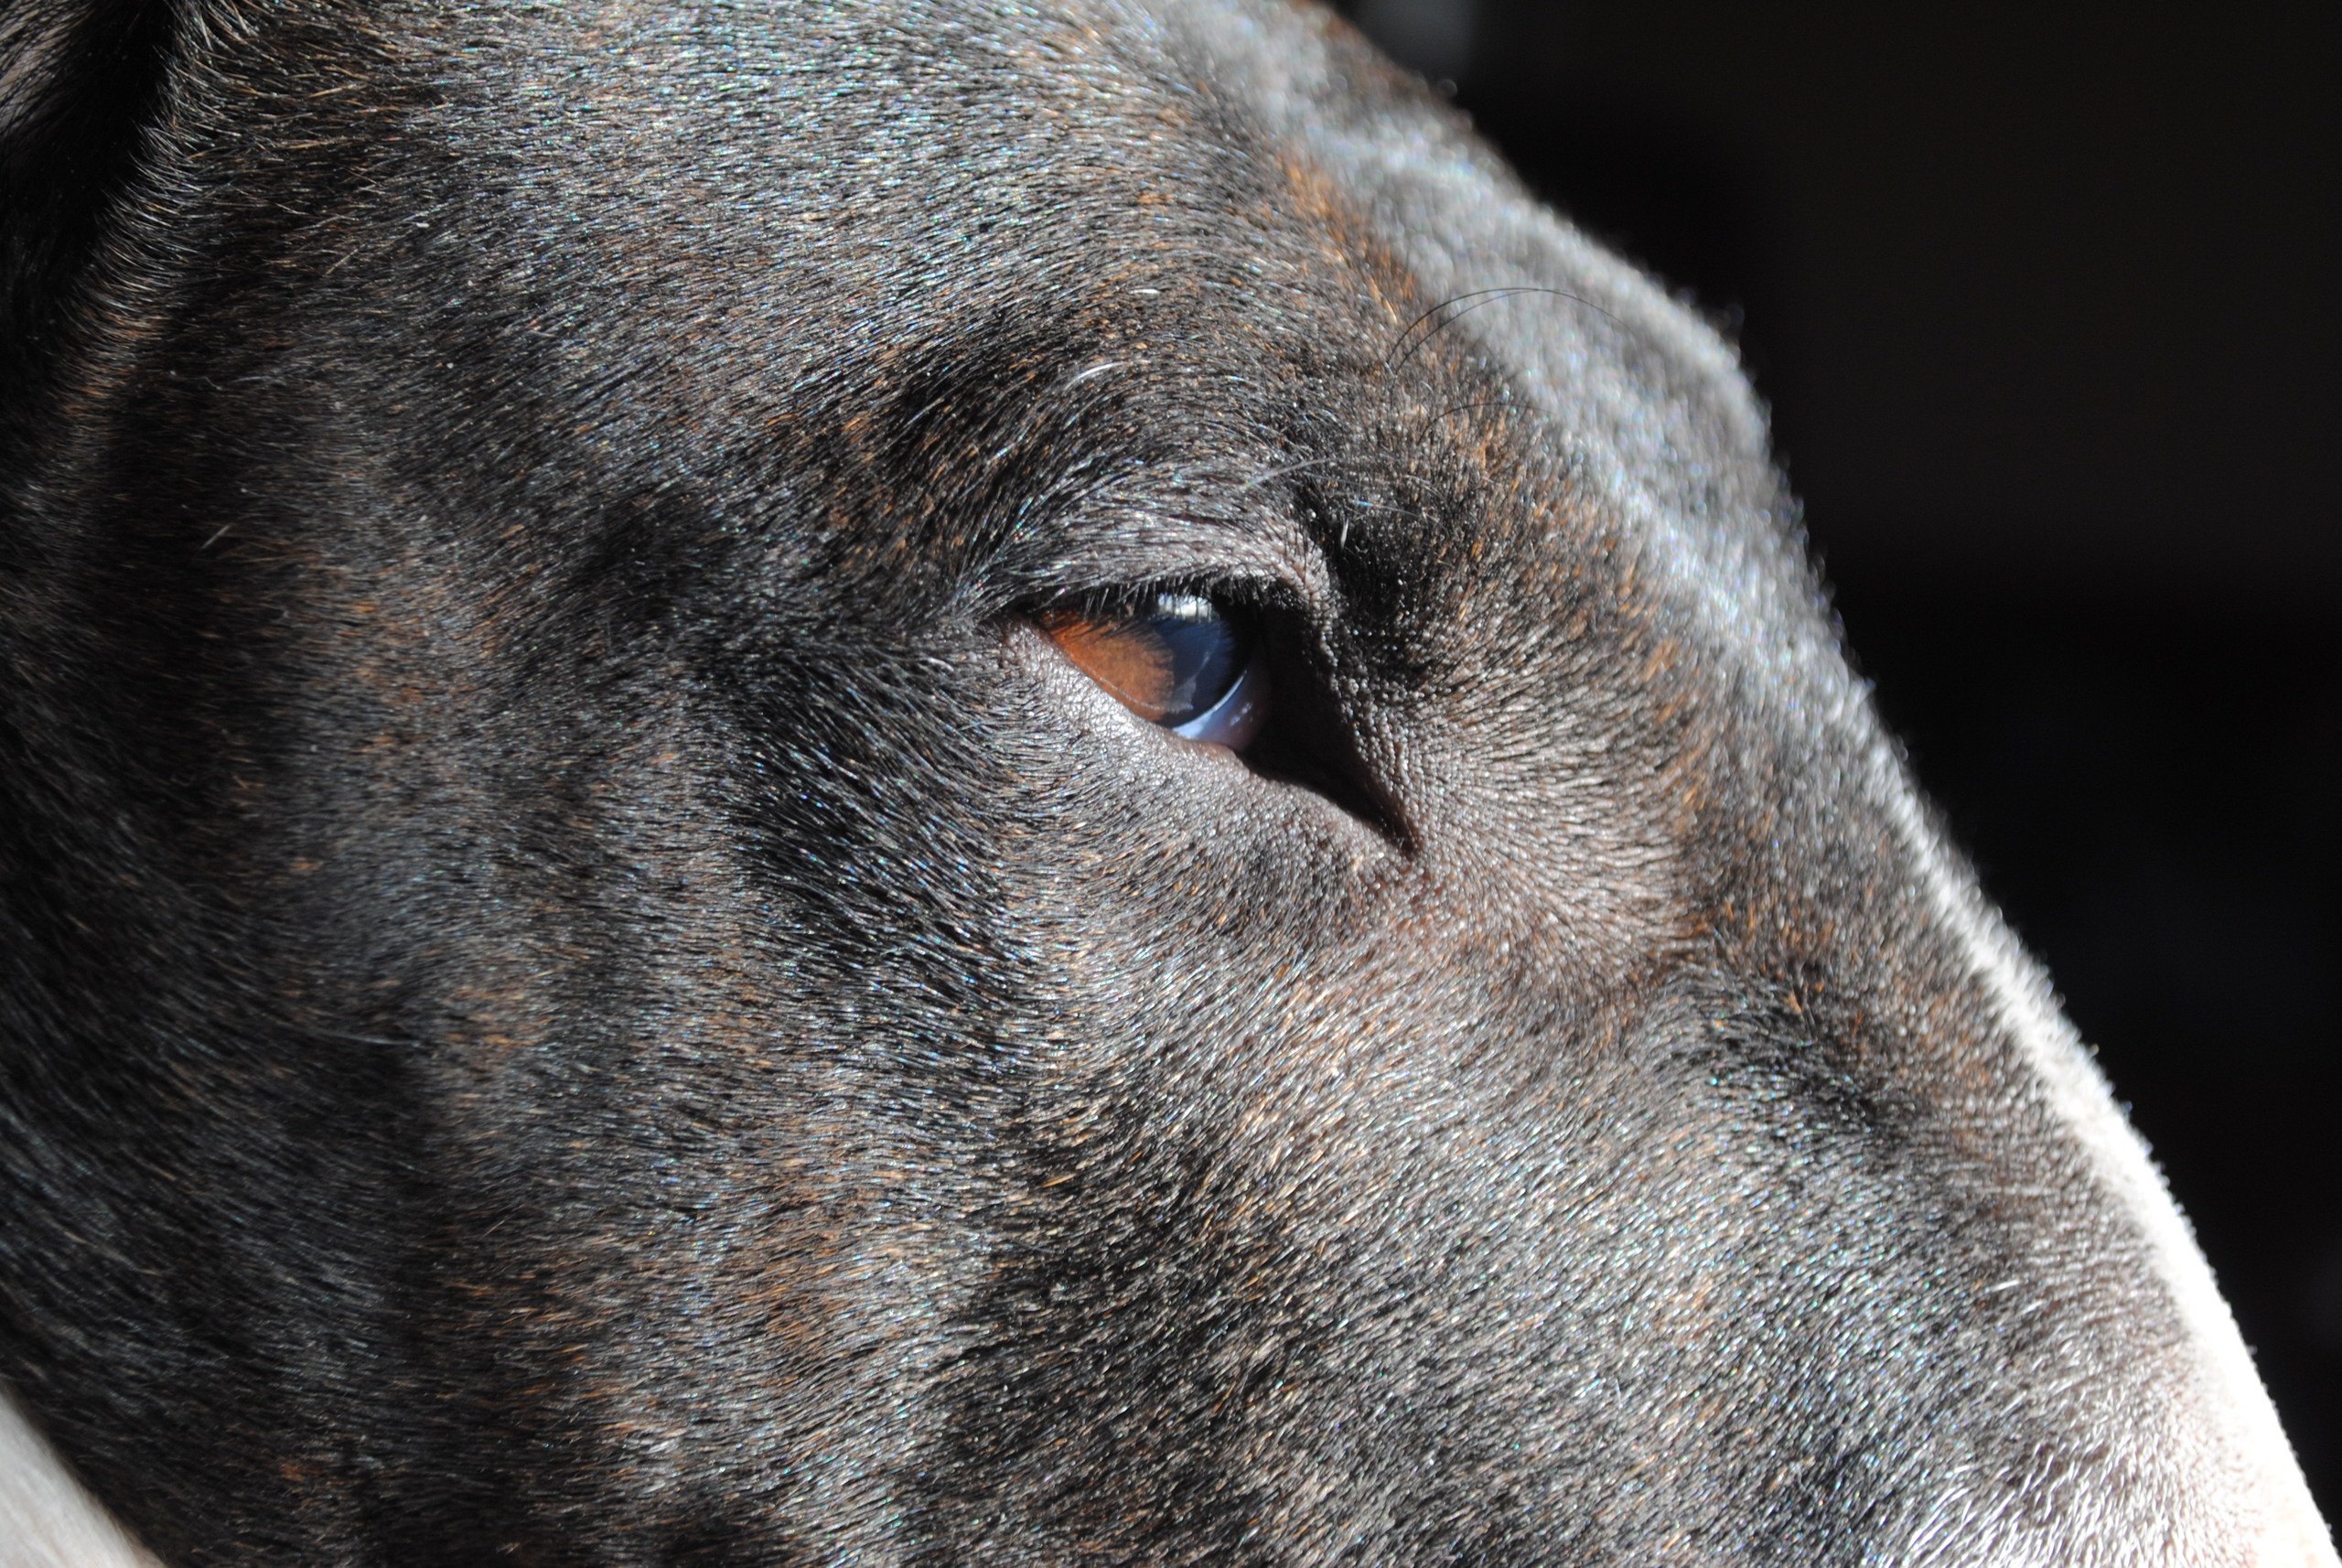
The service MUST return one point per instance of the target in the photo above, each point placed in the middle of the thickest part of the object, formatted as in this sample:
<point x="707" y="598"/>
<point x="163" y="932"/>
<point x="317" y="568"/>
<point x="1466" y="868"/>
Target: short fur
<point x="580" y="987"/>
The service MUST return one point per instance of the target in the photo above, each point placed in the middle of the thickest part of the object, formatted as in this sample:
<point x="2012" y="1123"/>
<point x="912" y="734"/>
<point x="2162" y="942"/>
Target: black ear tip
<point x="63" y="60"/>
<point x="78" y="83"/>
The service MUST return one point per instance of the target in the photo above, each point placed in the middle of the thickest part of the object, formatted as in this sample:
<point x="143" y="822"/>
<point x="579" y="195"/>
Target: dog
<point x="905" y="781"/>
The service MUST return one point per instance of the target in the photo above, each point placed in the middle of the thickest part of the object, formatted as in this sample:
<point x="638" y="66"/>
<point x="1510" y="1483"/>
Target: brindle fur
<point x="581" y="989"/>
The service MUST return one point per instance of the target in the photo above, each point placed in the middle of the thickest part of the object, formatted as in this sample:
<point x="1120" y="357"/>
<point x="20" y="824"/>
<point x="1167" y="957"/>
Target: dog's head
<point x="931" y="782"/>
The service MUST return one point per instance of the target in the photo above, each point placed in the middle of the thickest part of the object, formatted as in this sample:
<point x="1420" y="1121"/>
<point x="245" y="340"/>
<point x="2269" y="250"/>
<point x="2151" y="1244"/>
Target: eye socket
<point x="1174" y="660"/>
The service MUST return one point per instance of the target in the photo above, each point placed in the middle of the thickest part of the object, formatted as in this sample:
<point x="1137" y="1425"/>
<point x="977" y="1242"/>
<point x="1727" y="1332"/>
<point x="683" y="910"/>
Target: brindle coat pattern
<point x="581" y="988"/>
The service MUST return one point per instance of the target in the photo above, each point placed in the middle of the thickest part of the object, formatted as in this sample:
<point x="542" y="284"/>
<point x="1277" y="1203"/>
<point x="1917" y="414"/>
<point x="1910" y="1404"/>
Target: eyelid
<point x="1263" y="560"/>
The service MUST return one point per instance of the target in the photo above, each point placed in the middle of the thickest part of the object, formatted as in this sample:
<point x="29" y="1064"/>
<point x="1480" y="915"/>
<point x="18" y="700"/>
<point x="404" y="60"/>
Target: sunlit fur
<point x="580" y="986"/>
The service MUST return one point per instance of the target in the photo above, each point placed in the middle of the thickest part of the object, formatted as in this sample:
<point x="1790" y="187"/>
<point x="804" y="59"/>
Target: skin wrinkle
<point x="753" y="1059"/>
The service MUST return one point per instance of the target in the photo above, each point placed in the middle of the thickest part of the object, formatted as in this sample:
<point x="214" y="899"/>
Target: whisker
<point x="1273" y="475"/>
<point x="1477" y="298"/>
<point x="1475" y="403"/>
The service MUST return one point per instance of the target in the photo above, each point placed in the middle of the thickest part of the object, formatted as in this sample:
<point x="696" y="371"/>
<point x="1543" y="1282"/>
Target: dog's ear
<point x="80" y="79"/>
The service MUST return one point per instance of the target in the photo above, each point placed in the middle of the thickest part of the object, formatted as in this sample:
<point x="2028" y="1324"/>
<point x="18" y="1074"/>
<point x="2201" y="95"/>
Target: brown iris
<point x="1120" y="656"/>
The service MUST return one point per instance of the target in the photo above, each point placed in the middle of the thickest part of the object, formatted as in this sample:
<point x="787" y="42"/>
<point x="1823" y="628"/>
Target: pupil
<point x="1204" y="654"/>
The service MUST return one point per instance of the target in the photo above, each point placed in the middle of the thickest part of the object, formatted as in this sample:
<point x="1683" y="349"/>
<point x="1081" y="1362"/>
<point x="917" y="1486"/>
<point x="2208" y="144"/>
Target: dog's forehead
<point x="1226" y="212"/>
<point x="844" y="180"/>
<point x="1643" y="400"/>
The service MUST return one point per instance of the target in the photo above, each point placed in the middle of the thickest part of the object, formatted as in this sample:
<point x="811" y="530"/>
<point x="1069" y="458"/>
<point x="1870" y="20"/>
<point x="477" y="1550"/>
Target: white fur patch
<point x="47" y="1520"/>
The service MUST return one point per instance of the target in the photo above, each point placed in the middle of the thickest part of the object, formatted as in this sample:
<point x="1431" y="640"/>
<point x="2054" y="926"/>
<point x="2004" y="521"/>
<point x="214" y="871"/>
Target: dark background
<point x="2044" y="299"/>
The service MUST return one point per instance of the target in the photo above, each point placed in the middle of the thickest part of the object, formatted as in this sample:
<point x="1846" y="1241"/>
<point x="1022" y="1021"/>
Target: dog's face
<point x="930" y="783"/>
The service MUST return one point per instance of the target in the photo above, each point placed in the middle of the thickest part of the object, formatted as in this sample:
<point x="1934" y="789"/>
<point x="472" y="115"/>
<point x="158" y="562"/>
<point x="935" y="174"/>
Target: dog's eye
<point x="1174" y="660"/>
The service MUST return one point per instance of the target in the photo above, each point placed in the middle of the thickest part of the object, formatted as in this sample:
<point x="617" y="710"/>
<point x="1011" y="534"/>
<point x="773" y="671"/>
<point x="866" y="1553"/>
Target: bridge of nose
<point x="1676" y="882"/>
